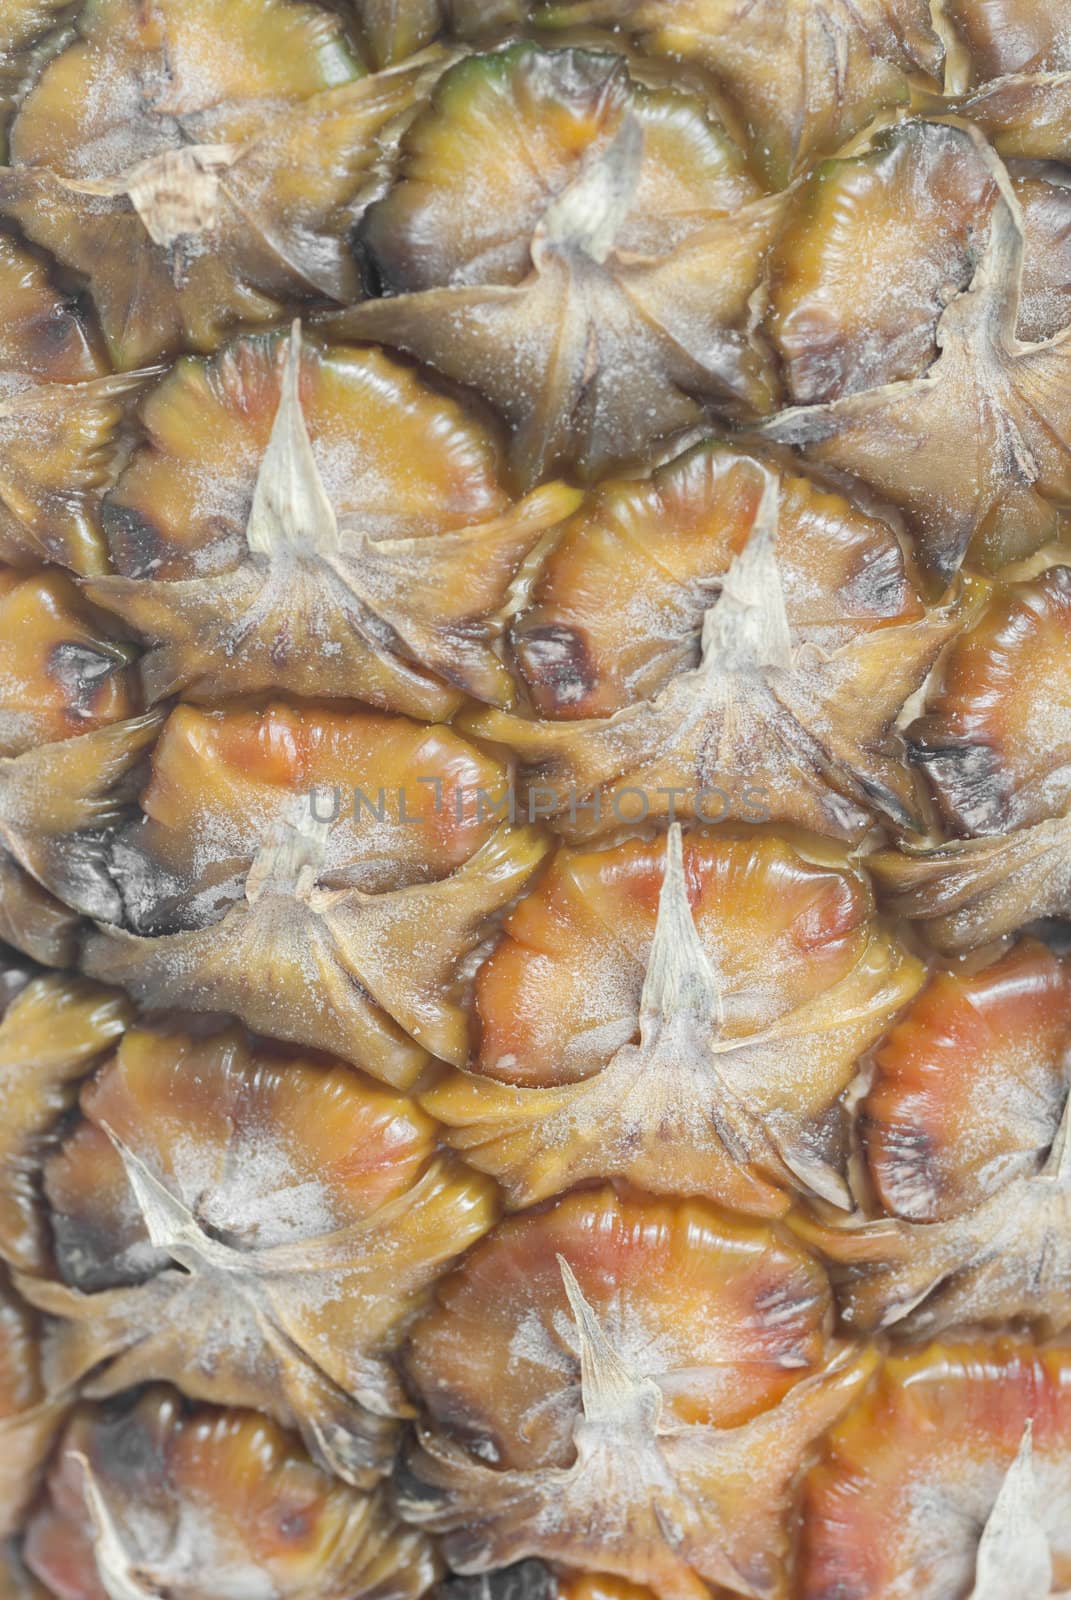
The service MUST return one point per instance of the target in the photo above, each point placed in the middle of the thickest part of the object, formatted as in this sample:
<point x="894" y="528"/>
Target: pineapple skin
<point x="535" y="819"/>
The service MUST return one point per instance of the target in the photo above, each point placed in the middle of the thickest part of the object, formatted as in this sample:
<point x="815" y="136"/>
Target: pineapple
<point x="535" y="817"/>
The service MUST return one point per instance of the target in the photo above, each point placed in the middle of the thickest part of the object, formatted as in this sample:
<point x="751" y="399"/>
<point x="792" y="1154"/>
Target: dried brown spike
<point x="318" y="521"/>
<point x="150" y="1496"/>
<point x="913" y="1475"/>
<point x="258" y="1234"/>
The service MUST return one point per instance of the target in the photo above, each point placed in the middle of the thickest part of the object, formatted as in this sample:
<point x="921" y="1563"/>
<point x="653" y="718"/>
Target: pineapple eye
<point x="577" y="1336"/>
<point x="24" y="26"/>
<point x="456" y="217"/>
<point x="52" y="1034"/>
<point x="968" y="1138"/>
<point x="58" y="417"/>
<point x="348" y="926"/>
<point x="749" y="641"/>
<point x="1027" y="115"/>
<point x="202" y="168"/>
<point x="973" y="452"/>
<point x="618" y="295"/>
<point x="319" y="521"/>
<point x="626" y="1029"/>
<point x="62" y="680"/>
<point x="995" y="742"/>
<point x="995" y="745"/>
<point x="60" y="675"/>
<point x="879" y="244"/>
<point x="969" y="1085"/>
<point x="1012" y="36"/>
<point x="911" y="1477"/>
<point x="535" y="799"/>
<point x="875" y="248"/>
<point x="256" y="1227"/>
<point x="151" y="1496"/>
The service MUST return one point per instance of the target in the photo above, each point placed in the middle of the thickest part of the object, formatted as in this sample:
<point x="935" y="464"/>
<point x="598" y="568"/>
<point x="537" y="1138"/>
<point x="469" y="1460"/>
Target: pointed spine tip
<point x="1014" y="1557"/>
<point x="680" y="976"/>
<point x="608" y="1389"/>
<point x="747" y="628"/>
<point x="289" y="859"/>
<point x="1058" y="1165"/>
<point x="114" y="1568"/>
<point x="588" y="214"/>
<point x="291" y="508"/>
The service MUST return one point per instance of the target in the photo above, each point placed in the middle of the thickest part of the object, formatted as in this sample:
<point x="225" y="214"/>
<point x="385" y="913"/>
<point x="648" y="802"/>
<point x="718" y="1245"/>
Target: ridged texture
<point x="535" y="800"/>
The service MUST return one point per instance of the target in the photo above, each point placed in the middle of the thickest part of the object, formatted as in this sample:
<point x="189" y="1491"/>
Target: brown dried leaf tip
<point x="655" y="1372"/>
<point x="254" y="1228"/>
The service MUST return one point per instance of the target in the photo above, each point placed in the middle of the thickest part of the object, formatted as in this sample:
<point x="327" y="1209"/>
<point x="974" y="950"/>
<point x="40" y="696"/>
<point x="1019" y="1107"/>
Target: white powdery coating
<point x="660" y="1343"/>
<point x="174" y="1549"/>
<point x="18" y="728"/>
<point x="263" y="1196"/>
<point x="940" y="1519"/>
